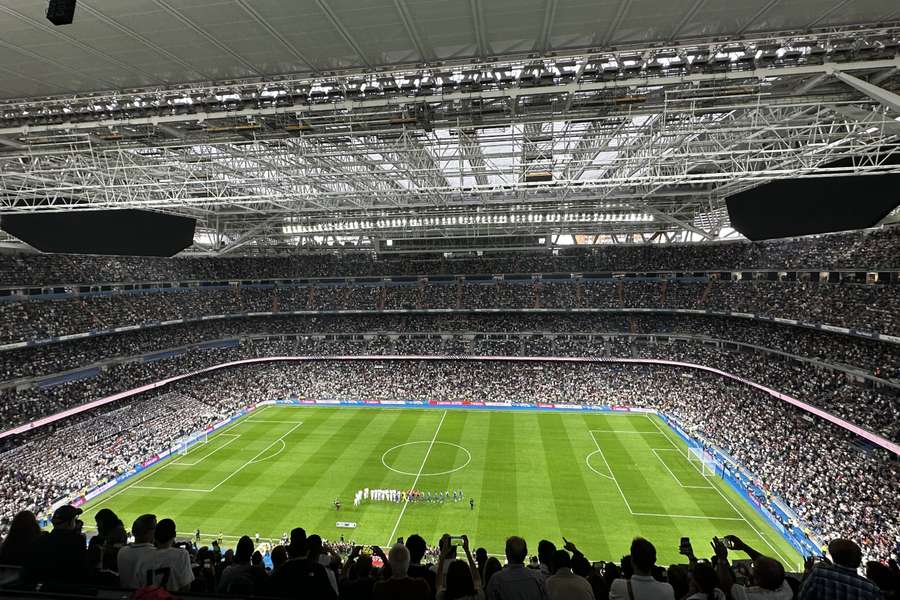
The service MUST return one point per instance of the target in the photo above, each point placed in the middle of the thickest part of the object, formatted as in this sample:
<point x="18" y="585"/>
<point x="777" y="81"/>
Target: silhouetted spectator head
<point x="313" y="547"/>
<point x="881" y="575"/>
<point x="363" y="566"/>
<point x="64" y="517"/>
<point x="546" y="548"/>
<point x="845" y="553"/>
<point x="256" y="559"/>
<point x="704" y="580"/>
<point x="459" y="581"/>
<point x="244" y="550"/>
<point x="679" y="578"/>
<point x="106" y="520"/>
<point x="491" y="566"/>
<point x="560" y="559"/>
<point x="143" y="529"/>
<point x="768" y="573"/>
<point x="164" y="534"/>
<point x="279" y="556"/>
<point x="516" y="550"/>
<point x="481" y="557"/>
<point x="416" y="546"/>
<point x="24" y="532"/>
<point x="643" y="556"/>
<point x="398" y="558"/>
<point x="297" y="547"/>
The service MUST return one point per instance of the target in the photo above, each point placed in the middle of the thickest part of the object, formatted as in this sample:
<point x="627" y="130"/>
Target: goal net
<point x="185" y="444"/>
<point x="703" y="460"/>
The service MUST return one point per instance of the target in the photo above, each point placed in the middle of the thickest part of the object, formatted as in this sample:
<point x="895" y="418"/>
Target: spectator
<point x="515" y="581"/>
<point x="242" y="577"/>
<point x="19" y="543"/>
<point x="416" y="546"/>
<point x="564" y="584"/>
<point x="167" y="566"/>
<point x="59" y="557"/>
<point x="401" y="586"/>
<point x="641" y="585"/>
<point x="492" y="566"/>
<point x="143" y="530"/>
<point x="546" y="548"/>
<point x="839" y="580"/>
<point x="704" y="583"/>
<point x="462" y="581"/>
<point x="301" y="576"/>
<point x="767" y="581"/>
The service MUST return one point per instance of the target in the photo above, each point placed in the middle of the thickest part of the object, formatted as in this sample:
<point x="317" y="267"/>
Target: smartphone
<point x="685" y="546"/>
<point x="729" y="543"/>
<point x="456" y="540"/>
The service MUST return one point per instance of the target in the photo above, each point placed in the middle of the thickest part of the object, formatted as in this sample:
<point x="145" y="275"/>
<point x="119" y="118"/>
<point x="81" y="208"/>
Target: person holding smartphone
<point x="463" y="581"/>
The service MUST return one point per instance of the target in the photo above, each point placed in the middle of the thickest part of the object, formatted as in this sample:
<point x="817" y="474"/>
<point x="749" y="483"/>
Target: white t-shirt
<point x="169" y="568"/>
<point x="644" y="588"/>
<point x="128" y="558"/>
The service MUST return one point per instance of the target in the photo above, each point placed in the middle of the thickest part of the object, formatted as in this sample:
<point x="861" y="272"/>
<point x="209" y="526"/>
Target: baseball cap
<point x="64" y="514"/>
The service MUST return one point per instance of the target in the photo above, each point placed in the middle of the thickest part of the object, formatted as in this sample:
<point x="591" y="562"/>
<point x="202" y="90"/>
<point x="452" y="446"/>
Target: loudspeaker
<point x="805" y="206"/>
<point x="117" y="232"/>
<point x="61" y="12"/>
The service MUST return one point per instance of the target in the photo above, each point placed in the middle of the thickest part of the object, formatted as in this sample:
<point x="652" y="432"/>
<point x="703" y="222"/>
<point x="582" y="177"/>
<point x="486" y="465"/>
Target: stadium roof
<point x="315" y="122"/>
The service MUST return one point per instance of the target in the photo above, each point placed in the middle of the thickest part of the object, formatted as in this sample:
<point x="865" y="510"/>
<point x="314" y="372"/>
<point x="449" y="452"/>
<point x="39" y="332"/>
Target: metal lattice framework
<point x="596" y="145"/>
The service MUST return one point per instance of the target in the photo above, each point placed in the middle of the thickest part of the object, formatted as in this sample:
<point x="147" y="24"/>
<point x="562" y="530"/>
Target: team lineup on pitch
<point x="596" y="479"/>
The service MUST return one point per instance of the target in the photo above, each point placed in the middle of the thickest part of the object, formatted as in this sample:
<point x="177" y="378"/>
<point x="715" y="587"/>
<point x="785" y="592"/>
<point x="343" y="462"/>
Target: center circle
<point x="393" y="455"/>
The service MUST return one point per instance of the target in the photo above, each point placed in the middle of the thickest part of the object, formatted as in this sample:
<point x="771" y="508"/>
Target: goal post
<point x="703" y="460"/>
<point x="185" y="444"/>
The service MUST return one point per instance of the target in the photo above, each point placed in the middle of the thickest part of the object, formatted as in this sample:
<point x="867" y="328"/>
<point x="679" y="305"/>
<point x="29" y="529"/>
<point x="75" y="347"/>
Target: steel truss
<point x="596" y="146"/>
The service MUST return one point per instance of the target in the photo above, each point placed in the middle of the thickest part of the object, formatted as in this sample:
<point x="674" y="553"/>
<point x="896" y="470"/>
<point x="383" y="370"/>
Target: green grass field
<point x="597" y="479"/>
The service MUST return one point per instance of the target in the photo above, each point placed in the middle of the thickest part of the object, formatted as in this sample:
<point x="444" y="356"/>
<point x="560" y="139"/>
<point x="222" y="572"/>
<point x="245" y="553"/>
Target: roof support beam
<point x="335" y="22"/>
<point x="547" y="28"/>
<point x="889" y="99"/>
<point x="274" y="33"/>
<point x="479" y="28"/>
<point x="206" y="35"/>
<point x="406" y="17"/>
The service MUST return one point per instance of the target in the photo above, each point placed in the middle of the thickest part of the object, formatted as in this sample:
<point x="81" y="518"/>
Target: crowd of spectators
<point x="881" y="359"/>
<point x="865" y="250"/>
<point x="836" y="487"/>
<point x="875" y="407"/>
<point x="157" y="564"/>
<point x="860" y="306"/>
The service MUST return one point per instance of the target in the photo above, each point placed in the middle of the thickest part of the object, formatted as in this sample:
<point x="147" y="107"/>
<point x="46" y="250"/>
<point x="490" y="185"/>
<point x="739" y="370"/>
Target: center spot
<point x="444" y="458"/>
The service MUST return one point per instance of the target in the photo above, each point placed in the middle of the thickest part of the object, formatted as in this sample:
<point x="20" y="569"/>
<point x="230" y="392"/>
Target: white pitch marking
<point x="416" y="480"/>
<point x="625" y="431"/>
<point x="675" y="477"/>
<point x="724" y="497"/>
<point x="271" y="421"/>
<point x="611" y="474"/>
<point x="280" y="450"/>
<point x="233" y="437"/>
<point x="390" y="468"/>
<point x="704" y="517"/>
<point x="250" y="462"/>
<point x="169" y="489"/>
<point x="587" y="461"/>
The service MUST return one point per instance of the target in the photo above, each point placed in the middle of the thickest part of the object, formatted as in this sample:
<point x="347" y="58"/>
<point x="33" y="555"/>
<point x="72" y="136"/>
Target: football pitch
<point x="597" y="479"/>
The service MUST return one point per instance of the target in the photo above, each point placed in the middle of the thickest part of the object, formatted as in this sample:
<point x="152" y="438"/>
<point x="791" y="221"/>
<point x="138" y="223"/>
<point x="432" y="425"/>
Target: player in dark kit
<point x="471" y="503"/>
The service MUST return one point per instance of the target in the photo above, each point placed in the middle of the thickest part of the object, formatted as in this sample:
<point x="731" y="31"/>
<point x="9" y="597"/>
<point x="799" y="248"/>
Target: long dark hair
<point x="459" y="581"/>
<point x="24" y="531"/>
<point x="490" y="567"/>
<point x="705" y="579"/>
